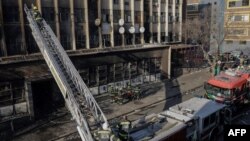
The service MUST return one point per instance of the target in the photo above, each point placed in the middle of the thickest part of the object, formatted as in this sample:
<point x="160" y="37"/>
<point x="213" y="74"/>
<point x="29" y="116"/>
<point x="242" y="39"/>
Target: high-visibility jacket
<point x="37" y="15"/>
<point x="102" y="135"/>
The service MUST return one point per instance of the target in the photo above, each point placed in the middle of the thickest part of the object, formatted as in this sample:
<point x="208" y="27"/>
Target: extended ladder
<point x="78" y="98"/>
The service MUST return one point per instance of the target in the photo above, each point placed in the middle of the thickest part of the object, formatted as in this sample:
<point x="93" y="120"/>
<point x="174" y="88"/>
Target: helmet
<point x="35" y="8"/>
<point x="105" y="126"/>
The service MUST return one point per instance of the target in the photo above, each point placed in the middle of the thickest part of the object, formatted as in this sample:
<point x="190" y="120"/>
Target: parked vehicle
<point x="230" y="87"/>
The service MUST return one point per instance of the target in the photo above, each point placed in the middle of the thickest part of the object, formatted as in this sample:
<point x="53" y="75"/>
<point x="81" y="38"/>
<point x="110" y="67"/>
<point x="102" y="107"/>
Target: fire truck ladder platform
<point x="78" y="98"/>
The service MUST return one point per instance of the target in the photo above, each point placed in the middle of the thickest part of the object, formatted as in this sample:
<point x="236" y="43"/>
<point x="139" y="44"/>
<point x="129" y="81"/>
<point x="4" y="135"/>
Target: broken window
<point x="79" y="15"/>
<point x="64" y="14"/>
<point x="12" y="14"/>
<point x="117" y="15"/>
<point x="13" y="39"/>
<point x="48" y="14"/>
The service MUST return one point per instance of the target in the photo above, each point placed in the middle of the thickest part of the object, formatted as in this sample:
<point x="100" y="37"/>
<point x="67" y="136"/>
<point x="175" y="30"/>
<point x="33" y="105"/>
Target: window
<point x="170" y="18"/>
<point x="127" y="16"/>
<point x="127" y="3"/>
<point x="115" y="1"/>
<point x="155" y="17"/>
<point x="205" y="122"/>
<point x="245" y="2"/>
<point x="192" y="7"/>
<point x="162" y="17"/>
<point x="12" y="16"/>
<point x="116" y="15"/>
<point x="137" y="17"/>
<point x="105" y="16"/>
<point x="64" y="14"/>
<point x="229" y="42"/>
<point x="177" y="17"/>
<point x="48" y="13"/>
<point x="243" y="42"/>
<point x="238" y="3"/>
<point x="239" y="18"/>
<point x="238" y="31"/>
<point x="213" y="118"/>
<point x="79" y="15"/>
<point x="232" y="4"/>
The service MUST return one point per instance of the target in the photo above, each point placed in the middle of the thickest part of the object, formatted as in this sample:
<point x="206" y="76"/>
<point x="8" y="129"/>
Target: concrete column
<point x="169" y="62"/>
<point x="142" y="20"/>
<point x="29" y="98"/>
<point x="111" y="22"/>
<point x="151" y="20"/>
<point x="21" y="15"/>
<point x="174" y="21"/>
<point x="180" y="20"/>
<point x="99" y="17"/>
<point x="2" y="39"/>
<point x="121" y="4"/>
<point x="166" y="19"/>
<point x="132" y="7"/>
<point x="57" y="20"/>
<point x="72" y="25"/>
<point x="39" y="5"/>
<point x="86" y="15"/>
<point x="159" y="22"/>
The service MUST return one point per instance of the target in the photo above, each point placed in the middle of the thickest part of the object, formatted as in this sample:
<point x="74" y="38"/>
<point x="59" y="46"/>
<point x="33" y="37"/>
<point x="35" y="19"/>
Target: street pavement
<point x="160" y="96"/>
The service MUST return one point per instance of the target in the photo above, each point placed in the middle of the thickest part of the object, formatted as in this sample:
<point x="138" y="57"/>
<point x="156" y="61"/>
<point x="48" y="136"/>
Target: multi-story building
<point x="111" y="42"/>
<point x="197" y="10"/>
<point x="211" y="11"/>
<point x="237" y="25"/>
<point x="229" y="24"/>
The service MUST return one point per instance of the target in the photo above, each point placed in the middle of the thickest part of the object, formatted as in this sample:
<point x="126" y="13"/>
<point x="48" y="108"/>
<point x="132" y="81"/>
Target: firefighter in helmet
<point x="105" y="134"/>
<point x="124" y="127"/>
<point x="137" y="93"/>
<point x="37" y="16"/>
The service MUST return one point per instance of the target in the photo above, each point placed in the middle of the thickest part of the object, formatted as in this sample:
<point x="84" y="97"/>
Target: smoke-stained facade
<point x="111" y="43"/>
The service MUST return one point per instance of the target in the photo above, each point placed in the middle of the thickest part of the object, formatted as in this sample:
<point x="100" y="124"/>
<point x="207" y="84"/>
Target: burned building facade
<point x="111" y="43"/>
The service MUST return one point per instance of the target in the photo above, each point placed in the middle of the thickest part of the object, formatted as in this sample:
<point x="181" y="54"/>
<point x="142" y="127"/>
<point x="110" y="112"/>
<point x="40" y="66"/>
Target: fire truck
<point x="230" y="87"/>
<point x="197" y="119"/>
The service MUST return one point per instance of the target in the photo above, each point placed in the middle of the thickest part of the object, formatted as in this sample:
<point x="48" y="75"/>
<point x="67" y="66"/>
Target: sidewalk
<point x="160" y="91"/>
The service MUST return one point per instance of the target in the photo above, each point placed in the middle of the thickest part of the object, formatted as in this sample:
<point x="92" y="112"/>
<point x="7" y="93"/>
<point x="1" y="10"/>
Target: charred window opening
<point x="93" y="29"/>
<point x="47" y="98"/>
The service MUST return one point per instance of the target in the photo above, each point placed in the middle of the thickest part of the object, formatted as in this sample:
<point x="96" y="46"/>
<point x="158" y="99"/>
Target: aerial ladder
<point x="80" y="102"/>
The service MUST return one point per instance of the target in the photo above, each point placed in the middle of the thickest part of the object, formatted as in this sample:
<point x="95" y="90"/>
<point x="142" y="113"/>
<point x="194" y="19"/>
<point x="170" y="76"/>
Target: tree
<point x="209" y="35"/>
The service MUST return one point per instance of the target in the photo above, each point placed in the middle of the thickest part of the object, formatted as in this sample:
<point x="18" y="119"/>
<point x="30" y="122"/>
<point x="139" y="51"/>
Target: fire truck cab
<point x="230" y="87"/>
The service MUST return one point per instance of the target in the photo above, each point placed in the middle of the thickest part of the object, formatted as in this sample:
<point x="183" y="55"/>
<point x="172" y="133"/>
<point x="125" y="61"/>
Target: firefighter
<point x="124" y="127"/>
<point x="110" y="89"/>
<point x="137" y="93"/>
<point x="105" y="135"/>
<point x="128" y="86"/>
<point x="37" y="16"/>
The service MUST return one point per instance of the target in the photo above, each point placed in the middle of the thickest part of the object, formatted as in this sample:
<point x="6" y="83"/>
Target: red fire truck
<point x="230" y="87"/>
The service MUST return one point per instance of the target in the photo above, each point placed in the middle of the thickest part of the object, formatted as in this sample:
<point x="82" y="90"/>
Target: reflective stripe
<point x="106" y="132"/>
<point x="125" y="122"/>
